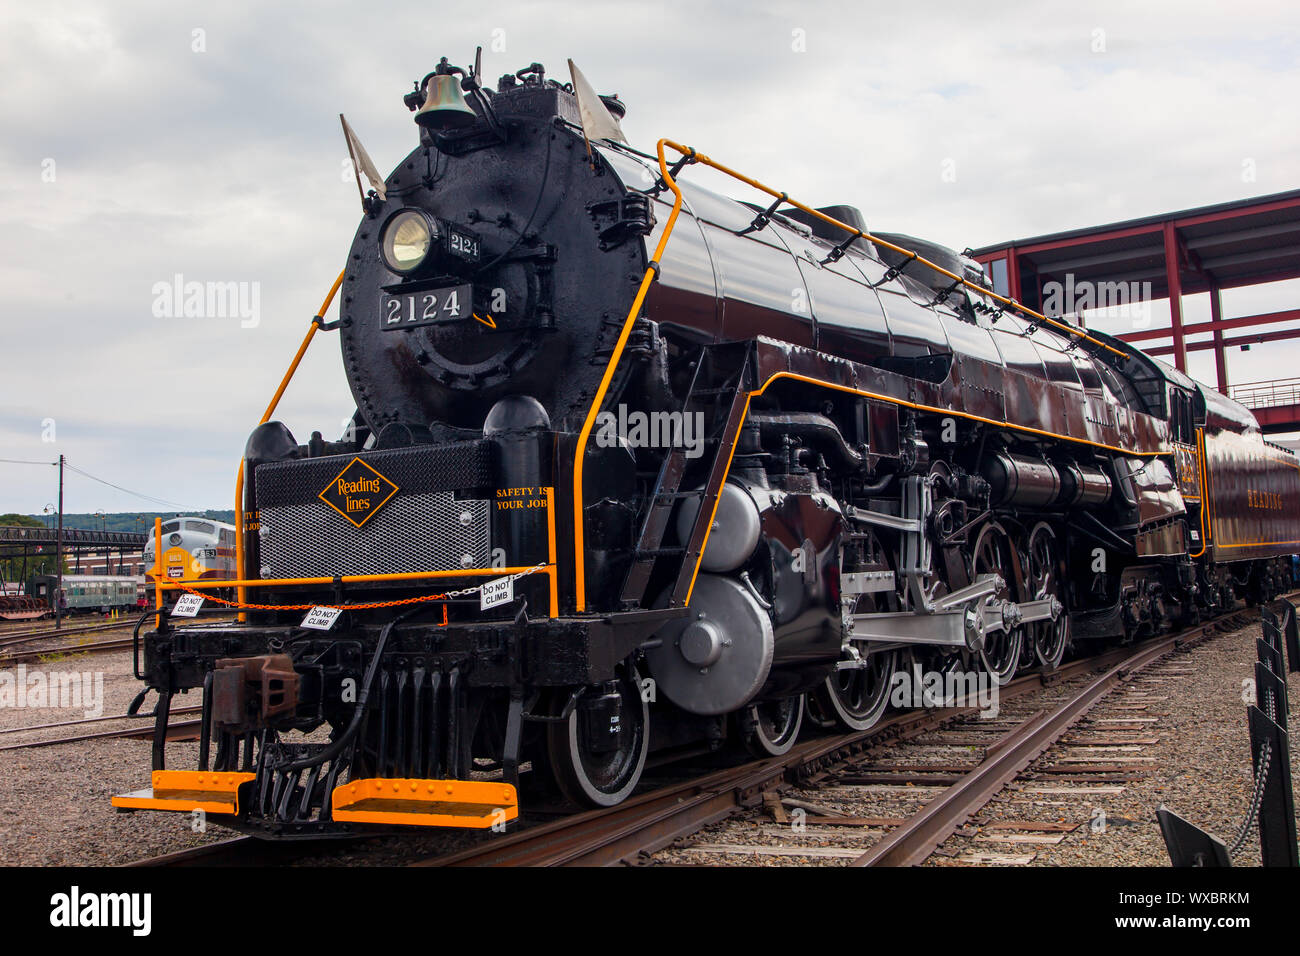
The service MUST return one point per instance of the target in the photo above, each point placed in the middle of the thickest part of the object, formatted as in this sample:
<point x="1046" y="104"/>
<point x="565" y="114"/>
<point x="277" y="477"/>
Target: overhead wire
<point x="153" y="499"/>
<point x="136" y="494"/>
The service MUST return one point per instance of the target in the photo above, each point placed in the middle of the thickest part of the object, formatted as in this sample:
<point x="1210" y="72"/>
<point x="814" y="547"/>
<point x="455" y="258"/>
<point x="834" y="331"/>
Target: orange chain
<point x="308" y="607"/>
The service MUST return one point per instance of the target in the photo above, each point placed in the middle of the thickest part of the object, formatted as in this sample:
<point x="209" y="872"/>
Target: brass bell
<point x="444" y="105"/>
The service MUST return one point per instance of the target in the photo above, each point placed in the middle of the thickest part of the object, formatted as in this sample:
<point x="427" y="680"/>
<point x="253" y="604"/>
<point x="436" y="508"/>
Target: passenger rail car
<point x="637" y="467"/>
<point x="87" y="593"/>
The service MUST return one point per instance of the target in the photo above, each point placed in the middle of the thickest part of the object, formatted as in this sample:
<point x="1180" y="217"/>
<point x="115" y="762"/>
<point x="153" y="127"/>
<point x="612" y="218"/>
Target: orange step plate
<point x="187" y="790"/>
<point x="474" y="804"/>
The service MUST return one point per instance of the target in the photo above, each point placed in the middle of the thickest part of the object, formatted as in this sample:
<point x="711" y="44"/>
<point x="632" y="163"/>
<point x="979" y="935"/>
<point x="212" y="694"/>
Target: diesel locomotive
<point x="637" y="469"/>
<point x="193" y="549"/>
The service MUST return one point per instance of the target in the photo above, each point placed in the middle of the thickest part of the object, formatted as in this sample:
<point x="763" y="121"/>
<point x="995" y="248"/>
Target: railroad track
<point x="179" y="730"/>
<point x="29" y="635"/>
<point x="655" y="819"/>
<point x="36" y="654"/>
<point x="912" y="842"/>
<point x="11" y="639"/>
<point x="7" y="624"/>
<point x="648" y="820"/>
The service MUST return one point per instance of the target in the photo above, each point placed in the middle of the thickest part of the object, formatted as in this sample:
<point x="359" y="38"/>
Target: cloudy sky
<point x="146" y="140"/>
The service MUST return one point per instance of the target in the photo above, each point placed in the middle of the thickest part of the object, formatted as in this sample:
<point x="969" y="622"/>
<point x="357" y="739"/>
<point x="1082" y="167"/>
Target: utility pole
<point x="103" y="529"/>
<point x="58" y="557"/>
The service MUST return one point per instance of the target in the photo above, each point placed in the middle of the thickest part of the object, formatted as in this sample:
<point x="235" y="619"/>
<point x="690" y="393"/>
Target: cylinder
<point x="1031" y="482"/>
<point x="1083" y="486"/>
<point x="1020" y="480"/>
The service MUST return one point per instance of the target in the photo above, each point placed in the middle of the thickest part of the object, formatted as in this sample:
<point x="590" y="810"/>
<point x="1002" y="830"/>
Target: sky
<point x="148" y="140"/>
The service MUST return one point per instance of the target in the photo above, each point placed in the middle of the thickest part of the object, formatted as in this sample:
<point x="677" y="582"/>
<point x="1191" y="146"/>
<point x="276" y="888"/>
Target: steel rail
<point x="35" y="654"/>
<point x="94" y="720"/>
<point x="175" y="731"/>
<point x="231" y="852"/>
<point x="912" y="843"/>
<point x="652" y="820"/>
<point x="26" y="637"/>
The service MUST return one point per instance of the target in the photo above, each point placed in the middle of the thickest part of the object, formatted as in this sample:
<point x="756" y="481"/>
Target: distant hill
<point x="113" y="521"/>
<point x="20" y="521"/>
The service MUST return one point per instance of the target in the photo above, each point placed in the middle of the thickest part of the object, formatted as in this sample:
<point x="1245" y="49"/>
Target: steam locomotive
<point x="606" y="496"/>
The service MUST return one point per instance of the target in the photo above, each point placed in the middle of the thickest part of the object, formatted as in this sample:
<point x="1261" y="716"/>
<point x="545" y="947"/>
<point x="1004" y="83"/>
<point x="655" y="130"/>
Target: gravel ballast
<point x="54" y="801"/>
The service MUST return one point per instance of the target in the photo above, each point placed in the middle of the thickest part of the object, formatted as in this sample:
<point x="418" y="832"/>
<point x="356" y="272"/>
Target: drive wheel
<point x="1043" y="573"/>
<point x="856" y="698"/>
<point x="1000" y="650"/>
<point x="597" y="754"/>
<point x="943" y="666"/>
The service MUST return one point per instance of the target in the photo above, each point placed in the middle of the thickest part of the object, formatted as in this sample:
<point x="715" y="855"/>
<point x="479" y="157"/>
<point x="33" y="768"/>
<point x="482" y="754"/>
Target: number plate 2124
<point x="430" y="307"/>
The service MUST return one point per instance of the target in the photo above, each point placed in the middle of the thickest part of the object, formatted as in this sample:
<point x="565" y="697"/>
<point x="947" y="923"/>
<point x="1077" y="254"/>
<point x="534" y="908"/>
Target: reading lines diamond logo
<point x="357" y="492"/>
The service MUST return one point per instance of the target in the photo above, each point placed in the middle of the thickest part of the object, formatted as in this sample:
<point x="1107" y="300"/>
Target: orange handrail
<point x="266" y="417"/>
<point x="218" y="583"/>
<point x="242" y="583"/>
<point x="157" y="570"/>
<point x="652" y="270"/>
<point x="876" y="240"/>
<point x="580" y="583"/>
<point x="1205" y="492"/>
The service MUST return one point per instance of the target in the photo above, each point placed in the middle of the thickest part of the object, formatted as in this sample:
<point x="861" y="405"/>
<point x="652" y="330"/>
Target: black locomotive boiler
<point x="636" y="468"/>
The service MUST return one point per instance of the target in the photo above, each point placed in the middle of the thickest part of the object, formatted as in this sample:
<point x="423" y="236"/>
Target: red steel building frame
<point x="1207" y="249"/>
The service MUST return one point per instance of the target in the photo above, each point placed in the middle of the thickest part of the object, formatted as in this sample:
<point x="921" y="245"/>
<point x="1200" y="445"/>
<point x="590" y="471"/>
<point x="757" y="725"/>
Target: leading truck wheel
<point x="770" y="729"/>
<point x="598" y="752"/>
<point x="858" y="696"/>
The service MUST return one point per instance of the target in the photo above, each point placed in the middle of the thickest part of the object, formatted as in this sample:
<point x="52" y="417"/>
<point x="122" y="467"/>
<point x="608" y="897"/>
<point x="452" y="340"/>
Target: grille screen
<point x="422" y="528"/>
<point x="420" y="532"/>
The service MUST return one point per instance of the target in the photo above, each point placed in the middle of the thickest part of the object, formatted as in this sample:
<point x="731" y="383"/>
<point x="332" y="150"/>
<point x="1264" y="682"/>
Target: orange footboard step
<point x="187" y="790"/>
<point x="474" y="804"/>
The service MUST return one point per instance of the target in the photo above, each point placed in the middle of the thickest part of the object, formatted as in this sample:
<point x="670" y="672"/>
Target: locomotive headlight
<point x="406" y="240"/>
